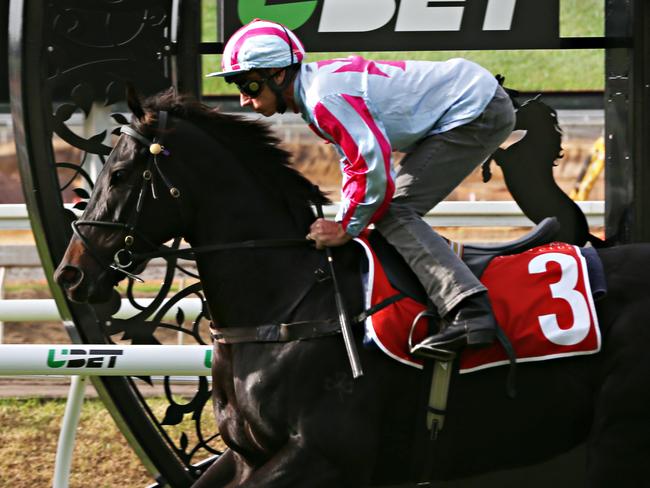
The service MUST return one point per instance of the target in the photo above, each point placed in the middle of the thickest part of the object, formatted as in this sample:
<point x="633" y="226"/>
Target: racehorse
<point x="528" y="173"/>
<point x="290" y="412"/>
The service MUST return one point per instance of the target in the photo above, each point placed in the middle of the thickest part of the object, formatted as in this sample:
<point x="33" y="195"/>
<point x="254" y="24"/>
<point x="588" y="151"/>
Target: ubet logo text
<point x="82" y="358"/>
<point x="368" y="15"/>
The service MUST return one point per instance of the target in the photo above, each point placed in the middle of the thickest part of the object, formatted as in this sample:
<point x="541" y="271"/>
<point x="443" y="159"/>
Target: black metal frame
<point x="627" y="123"/>
<point x="49" y="81"/>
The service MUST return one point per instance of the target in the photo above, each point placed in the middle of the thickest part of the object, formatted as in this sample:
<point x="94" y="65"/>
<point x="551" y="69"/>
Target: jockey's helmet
<point x="260" y="44"/>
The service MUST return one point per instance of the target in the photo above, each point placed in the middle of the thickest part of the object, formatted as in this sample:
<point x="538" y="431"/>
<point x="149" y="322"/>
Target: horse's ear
<point x="133" y="101"/>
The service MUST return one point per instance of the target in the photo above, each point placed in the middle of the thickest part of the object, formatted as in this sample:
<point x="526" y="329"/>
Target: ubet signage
<point x="405" y="25"/>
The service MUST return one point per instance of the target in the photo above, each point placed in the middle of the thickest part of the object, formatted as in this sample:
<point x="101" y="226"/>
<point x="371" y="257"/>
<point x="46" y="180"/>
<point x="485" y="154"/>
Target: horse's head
<point x="139" y="201"/>
<point x="534" y="114"/>
<point x="543" y="140"/>
<point x="216" y="178"/>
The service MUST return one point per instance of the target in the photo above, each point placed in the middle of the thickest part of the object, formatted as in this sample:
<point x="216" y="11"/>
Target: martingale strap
<point x="276" y="332"/>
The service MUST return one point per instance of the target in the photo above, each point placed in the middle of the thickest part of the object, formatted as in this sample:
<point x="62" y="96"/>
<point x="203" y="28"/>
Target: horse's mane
<point x="252" y="142"/>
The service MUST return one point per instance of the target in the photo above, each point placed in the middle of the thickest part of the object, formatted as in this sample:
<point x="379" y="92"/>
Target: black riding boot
<point x="470" y="323"/>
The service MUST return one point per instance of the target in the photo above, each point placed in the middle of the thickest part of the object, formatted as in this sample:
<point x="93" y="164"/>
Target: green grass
<point x="535" y="70"/>
<point x="102" y="457"/>
<point x="28" y="441"/>
<point x="582" y="18"/>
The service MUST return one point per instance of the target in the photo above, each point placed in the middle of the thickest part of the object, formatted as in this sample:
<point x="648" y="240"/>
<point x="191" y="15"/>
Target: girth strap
<point x="276" y="332"/>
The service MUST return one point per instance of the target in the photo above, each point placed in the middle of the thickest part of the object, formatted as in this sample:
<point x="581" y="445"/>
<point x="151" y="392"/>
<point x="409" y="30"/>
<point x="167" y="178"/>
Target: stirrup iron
<point x="433" y="353"/>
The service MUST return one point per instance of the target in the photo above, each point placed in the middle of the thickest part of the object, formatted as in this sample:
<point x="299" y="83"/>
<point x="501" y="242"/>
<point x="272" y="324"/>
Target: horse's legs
<point x="220" y="473"/>
<point x="290" y="467"/>
<point x="296" y="465"/>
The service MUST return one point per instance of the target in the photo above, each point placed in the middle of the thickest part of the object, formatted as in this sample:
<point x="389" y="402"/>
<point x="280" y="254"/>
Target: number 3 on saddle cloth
<point x="542" y="299"/>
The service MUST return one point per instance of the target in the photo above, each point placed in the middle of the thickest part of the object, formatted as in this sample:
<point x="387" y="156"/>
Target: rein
<point x="191" y="252"/>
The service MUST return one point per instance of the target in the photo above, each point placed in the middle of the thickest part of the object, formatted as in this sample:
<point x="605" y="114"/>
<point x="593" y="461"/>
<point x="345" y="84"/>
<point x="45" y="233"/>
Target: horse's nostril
<point x="69" y="277"/>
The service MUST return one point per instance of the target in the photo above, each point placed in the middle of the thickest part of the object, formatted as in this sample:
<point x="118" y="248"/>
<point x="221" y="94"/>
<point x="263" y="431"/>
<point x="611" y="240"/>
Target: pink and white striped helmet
<point x="260" y="44"/>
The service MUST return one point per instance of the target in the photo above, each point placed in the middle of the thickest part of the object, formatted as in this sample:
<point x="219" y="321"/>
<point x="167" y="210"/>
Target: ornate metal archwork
<point x="69" y="62"/>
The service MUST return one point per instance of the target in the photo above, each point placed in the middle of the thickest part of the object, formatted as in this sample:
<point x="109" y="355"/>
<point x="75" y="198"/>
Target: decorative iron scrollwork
<point x="86" y="52"/>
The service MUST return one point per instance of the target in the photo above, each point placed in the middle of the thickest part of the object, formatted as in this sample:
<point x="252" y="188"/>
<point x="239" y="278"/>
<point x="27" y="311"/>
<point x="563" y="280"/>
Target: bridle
<point x="125" y="257"/>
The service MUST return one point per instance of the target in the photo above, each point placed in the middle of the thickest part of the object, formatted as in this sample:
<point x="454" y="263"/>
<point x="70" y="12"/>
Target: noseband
<point x="125" y="257"/>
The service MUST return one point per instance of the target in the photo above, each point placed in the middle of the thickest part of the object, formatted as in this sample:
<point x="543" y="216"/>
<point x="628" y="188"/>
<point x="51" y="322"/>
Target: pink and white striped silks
<point x="368" y="109"/>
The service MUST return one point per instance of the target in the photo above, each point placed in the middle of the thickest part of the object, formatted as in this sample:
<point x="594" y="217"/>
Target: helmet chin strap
<point x="279" y="89"/>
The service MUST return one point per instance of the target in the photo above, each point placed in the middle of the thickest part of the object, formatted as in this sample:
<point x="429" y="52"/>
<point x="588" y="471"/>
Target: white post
<point x="105" y="360"/>
<point x="65" y="448"/>
<point x="2" y="295"/>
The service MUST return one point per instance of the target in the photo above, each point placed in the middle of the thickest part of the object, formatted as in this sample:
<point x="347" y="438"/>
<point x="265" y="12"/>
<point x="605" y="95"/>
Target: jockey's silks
<point x="368" y="109"/>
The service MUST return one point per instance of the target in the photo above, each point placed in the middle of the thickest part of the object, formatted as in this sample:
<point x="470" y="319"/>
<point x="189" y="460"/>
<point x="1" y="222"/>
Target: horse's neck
<point x="252" y="286"/>
<point x="246" y="286"/>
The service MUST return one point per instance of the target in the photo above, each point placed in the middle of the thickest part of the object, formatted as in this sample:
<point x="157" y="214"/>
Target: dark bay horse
<point x="290" y="412"/>
<point x="527" y="167"/>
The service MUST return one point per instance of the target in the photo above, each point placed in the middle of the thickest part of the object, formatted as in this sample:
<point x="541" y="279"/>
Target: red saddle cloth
<point x="541" y="299"/>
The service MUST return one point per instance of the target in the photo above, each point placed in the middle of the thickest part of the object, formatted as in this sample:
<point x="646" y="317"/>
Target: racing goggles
<point x="253" y="88"/>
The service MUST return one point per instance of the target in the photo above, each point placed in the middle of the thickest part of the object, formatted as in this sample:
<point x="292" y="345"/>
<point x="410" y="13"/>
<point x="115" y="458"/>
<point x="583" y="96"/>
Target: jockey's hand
<point x="327" y="233"/>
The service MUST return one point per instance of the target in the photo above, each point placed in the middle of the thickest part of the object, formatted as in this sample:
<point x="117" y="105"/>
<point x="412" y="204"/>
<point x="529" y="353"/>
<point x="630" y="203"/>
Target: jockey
<point x="448" y="117"/>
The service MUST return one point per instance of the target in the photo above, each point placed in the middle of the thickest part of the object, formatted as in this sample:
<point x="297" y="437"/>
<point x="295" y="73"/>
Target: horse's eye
<point x="118" y="176"/>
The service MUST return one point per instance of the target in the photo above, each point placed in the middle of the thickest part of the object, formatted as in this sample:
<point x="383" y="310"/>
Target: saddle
<point x="475" y="256"/>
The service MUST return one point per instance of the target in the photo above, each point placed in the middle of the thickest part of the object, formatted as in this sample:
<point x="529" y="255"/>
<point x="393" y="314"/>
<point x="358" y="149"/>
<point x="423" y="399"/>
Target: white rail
<point x="13" y="217"/>
<point x="445" y="214"/>
<point x="104" y="360"/>
<point x="493" y="214"/>
<point x="45" y="310"/>
<point x="83" y="360"/>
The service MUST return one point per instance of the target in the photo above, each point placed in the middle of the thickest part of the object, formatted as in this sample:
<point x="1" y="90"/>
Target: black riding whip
<point x="346" y="327"/>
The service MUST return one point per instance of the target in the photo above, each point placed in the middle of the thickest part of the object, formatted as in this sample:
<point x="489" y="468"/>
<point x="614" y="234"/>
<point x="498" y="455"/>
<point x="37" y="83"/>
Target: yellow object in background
<point x="593" y="168"/>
